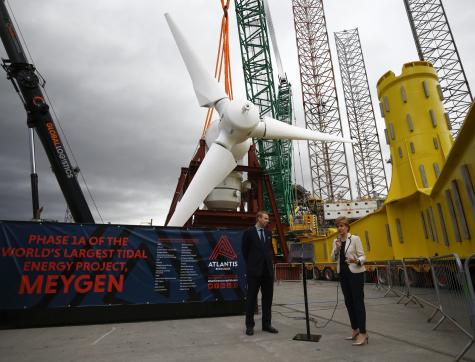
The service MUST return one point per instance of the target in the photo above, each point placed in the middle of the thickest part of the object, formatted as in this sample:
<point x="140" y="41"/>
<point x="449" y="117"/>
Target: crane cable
<point x="300" y="160"/>
<point x="222" y="62"/>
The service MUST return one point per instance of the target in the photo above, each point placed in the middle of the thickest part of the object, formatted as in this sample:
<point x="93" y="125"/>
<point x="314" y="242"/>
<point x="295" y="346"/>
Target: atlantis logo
<point x="224" y="249"/>
<point x="222" y="266"/>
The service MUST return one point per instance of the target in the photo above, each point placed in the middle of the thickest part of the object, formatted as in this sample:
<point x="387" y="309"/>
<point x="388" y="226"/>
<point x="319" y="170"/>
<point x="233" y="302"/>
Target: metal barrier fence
<point x="287" y="272"/>
<point x="451" y="285"/>
<point x="382" y="275"/>
<point x="470" y="277"/>
<point x="420" y="284"/>
<point x="470" y="274"/>
<point x="392" y="276"/>
<point x="371" y="274"/>
<point x="440" y="282"/>
<point x="455" y="301"/>
<point x="284" y="272"/>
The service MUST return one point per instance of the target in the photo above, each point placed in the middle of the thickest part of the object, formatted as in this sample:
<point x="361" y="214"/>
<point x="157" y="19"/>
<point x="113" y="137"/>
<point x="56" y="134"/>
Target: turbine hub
<point x="239" y="120"/>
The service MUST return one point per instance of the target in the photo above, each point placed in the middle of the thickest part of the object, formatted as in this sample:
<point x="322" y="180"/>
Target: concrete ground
<point x="397" y="333"/>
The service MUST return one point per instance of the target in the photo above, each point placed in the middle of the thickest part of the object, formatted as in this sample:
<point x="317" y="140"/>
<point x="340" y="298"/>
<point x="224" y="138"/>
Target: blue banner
<point x="53" y="265"/>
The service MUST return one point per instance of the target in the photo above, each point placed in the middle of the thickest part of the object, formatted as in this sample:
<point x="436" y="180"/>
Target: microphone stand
<point x="307" y="337"/>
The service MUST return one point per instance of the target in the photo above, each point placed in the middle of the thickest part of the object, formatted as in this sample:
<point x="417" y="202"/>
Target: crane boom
<point x="27" y="84"/>
<point x="270" y="24"/>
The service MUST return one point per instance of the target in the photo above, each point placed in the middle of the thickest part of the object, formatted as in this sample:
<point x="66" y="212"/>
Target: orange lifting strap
<point x="222" y="61"/>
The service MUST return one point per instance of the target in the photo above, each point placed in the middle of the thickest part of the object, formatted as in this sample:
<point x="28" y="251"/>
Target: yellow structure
<point x="430" y="207"/>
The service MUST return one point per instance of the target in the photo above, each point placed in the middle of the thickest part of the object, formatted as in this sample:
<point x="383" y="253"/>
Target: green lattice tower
<point x="284" y="157"/>
<point x="274" y="156"/>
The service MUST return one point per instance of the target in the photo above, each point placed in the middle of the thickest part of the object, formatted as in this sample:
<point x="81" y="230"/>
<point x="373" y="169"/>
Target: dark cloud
<point x="131" y="122"/>
<point x="126" y="103"/>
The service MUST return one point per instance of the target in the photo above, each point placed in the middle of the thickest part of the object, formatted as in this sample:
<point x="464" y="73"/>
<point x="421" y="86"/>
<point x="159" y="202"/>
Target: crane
<point x="274" y="156"/>
<point x="26" y="83"/>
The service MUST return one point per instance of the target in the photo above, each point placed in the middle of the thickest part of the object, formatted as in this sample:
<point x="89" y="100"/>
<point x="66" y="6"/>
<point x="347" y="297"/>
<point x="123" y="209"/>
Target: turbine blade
<point x="273" y="129"/>
<point x="217" y="164"/>
<point x="207" y="89"/>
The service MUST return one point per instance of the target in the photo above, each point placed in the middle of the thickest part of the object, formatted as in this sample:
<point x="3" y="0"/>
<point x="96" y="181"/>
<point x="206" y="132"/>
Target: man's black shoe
<point x="249" y="331"/>
<point x="270" y="329"/>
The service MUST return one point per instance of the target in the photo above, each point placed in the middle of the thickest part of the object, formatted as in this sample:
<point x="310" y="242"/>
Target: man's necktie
<point x="262" y="235"/>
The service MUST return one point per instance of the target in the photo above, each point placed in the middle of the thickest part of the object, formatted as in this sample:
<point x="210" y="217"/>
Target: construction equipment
<point x="371" y="180"/>
<point x="328" y="161"/>
<point x="275" y="157"/>
<point x="26" y="82"/>
<point x="435" y="44"/>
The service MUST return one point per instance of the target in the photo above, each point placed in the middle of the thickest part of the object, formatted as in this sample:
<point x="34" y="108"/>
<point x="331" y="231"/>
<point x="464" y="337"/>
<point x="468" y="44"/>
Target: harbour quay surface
<point x="396" y="333"/>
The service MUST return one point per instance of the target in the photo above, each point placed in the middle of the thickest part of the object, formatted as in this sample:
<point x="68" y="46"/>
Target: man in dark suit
<point x="258" y="254"/>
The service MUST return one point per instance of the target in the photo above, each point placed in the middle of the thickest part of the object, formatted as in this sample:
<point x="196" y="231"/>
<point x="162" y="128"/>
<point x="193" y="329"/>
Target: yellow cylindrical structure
<point x="417" y="128"/>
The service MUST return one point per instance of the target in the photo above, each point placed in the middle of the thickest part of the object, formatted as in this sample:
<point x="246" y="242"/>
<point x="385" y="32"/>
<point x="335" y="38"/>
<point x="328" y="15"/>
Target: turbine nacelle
<point x="239" y="119"/>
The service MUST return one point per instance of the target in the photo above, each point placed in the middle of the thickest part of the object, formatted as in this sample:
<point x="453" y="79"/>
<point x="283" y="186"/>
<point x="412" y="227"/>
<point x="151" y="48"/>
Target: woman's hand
<point x="338" y="244"/>
<point x="351" y="260"/>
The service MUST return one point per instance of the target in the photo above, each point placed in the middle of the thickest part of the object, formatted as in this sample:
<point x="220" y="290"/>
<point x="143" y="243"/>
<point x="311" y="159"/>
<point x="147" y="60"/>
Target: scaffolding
<point x="371" y="180"/>
<point x="328" y="161"/>
<point x="435" y="44"/>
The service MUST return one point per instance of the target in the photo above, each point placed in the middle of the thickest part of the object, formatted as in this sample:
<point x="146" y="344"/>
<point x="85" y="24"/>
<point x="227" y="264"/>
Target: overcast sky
<point x="126" y="104"/>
